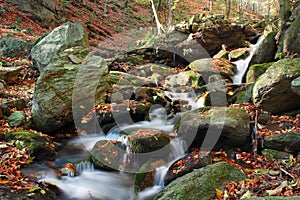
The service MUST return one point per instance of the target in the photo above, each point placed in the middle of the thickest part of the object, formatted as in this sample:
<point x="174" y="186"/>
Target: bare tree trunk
<point x="228" y="8"/>
<point x="210" y="6"/>
<point x="158" y="24"/>
<point x="170" y="17"/>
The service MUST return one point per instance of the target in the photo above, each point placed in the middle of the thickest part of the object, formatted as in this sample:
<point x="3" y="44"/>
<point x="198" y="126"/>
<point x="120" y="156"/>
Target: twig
<point x="254" y="136"/>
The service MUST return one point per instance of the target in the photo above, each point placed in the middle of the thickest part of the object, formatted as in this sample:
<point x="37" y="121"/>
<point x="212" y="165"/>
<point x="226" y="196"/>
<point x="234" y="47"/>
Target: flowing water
<point x="242" y="65"/>
<point x="92" y="183"/>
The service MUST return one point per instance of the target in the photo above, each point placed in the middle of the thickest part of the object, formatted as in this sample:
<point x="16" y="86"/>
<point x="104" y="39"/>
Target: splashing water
<point x="242" y="65"/>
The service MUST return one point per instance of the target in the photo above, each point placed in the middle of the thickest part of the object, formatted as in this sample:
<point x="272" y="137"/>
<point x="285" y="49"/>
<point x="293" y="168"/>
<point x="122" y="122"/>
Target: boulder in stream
<point x="201" y="184"/>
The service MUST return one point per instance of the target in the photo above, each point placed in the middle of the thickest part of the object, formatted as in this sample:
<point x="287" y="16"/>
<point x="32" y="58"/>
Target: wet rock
<point x="209" y="67"/>
<point x="108" y="154"/>
<point x="202" y="181"/>
<point x="288" y="142"/>
<point x="256" y="70"/>
<point x="272" y="91"/>
<point x="55" y="94"/>
<point x="219" y="126"/>
<point x="239" y="53"/>
<point x="295" y="86"/>
<point x="9" y="74"/>
<point x="185" y="165"/>
<point x="274" y="154"/>
<point x="39" y="147"/>
<point x="145" y="141"/>
<point x="183" y="80"/>
<point x="242" y="94"/>
<point x="291" y="39"/>
<point x="221" y="54"/>
<point x="145" y="177"/>
<point x="266" y="50"/>
<point x="14" y="47"/>
<point x="16" y="119"/>
<point x="63" y="37"/>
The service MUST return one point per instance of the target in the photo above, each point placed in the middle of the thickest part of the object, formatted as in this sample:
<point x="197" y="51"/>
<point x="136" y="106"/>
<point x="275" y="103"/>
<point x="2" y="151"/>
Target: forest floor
<point x="273" y="177"/>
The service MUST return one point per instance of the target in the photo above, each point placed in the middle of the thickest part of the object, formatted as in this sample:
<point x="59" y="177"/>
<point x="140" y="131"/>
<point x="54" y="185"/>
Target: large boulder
<point x="291" y="39"/>
<point x="52" y="101"/>
<point x="68" y="35"/>
<point x="272" y="91"/>
<point x="201" y="184"/>
<point x="265" y="52"/>
<point x="39" y="147"/>
<point x="44" y="12"/>
<point x="215" y="127"/>
<point x="255" y="71"/>
<point x="14" y="47"/>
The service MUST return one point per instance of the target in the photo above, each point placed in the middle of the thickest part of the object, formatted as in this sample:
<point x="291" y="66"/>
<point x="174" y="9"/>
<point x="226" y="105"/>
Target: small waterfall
<point x="242" y="65"/>
<point x="84" y="166"/>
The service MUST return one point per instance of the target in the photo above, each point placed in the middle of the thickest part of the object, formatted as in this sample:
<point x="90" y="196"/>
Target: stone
<point x="55" y="98"/>
<point x="185" y="165"/>
<point x="274" y="154"/>
<point x="256" y="70"/>
<point x="266" y="50"/>
<point x="44" y="12"/>
<point x="201" y="184"/>
<point x="272" y="91"/>
<point x="295" y="86"/>
<point x="242" y="94"/>
<point x="240" y="53"/>
<point x="187" y="79"/>
<point x="68" y="35"/>
<point x="219" y="126"/>
<point x="39" y="147"/>
<point x="291" y="39"/>
<point x="108" y="154"/>
<point x="14" y="47"/>
<point x="287" y="142"/>
<point x="16" y="119"/>
<point x="9" y="74"/>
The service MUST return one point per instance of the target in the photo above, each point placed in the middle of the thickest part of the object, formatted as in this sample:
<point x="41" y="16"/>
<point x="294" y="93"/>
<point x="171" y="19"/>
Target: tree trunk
<point x="284" y="10"/>
<point x="170" y="17"/>
<point x="228" y="8"/>
<point x="160" y="28"/>
<point x="210" y="6"/>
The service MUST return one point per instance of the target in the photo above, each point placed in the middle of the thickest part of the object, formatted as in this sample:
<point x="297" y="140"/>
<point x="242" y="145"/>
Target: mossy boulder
<point x="201" y="184"/>
<point x="288" y="142"/>
<point x="272" y="91"/>
<point x="274" y="154"/>
<point x="291" y="39"/>
<point x="239" y="53"/>
<point x="108" y="154"/>
<point x="266" y="50"/>
<point x="217" y="126"/>
<point x="16" y="119"/>
<point x="39" y="147"/>
<point x="56" y="100"/>
<point x="183" y="80"/>
<point x="145" y="177"/>
<point x="67" y="35"/>
<point x="14" y="47"/>
<point x="256" y="70"/>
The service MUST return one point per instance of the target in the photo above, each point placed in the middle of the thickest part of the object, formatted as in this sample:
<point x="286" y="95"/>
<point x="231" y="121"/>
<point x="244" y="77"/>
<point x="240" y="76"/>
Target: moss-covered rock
<point x="17" y="119"/>
<point x="239" y="53"/>
<point x="265" y="52"/>
<point x="291" y="39"/>
<point x="288" y="142"/>
<point x="108" y="154"/>
<point x="256" y="70"/>
<point x="274" y="154"/>
<point x="14" y="47"/>
<point x="201" y="184"/>
<point x="145" y="177"/>
<point x="272" y="91"/>
<point x="39" y="147"/>
<point x="220" y="126"/>
<point x="55" y="97"/>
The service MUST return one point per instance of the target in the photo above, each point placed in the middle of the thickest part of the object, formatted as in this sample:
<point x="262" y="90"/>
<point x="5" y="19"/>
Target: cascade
<point x="242" y="65"/>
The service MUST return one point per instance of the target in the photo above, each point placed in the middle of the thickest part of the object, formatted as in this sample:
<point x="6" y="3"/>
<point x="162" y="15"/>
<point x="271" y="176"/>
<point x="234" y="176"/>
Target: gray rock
<point x="55" y="96"/>
<point x="9" y="74"/>
<point x="16" y="119"/>
<point x="201" y="184"/>
<point x="295" y="86"/>
<point x="272" y="91"/>
<point x="39" y="147"/>
<point x="68" y="35"/>
<point x="14" y="47"/>
<point x="227" y="127"/>
<point x="288" y="142"/>
<point x="186" y="79"/>
<point x="266" y="50"/>
<point x="291" y="39"/>
<point x="255" y="71"/>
